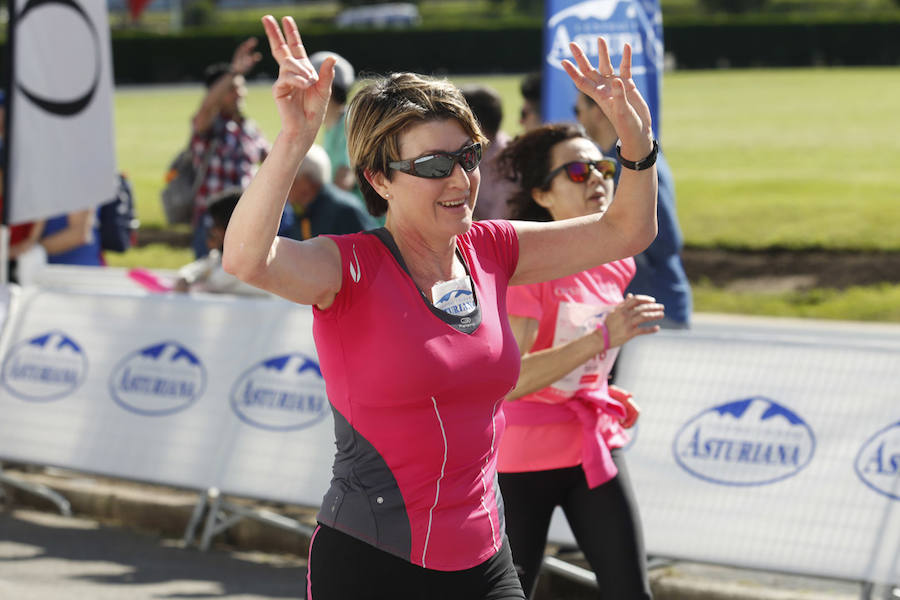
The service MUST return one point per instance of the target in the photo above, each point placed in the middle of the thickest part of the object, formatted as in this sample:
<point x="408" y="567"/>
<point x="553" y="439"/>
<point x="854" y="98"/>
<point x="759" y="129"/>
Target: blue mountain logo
<point x="753" y="441"/>
<point x="454" y="294"/>
<point x="161" y="379"/>
<point x="878" y="462"/>
<point x="584" y="21"/>
<point x="281" y="393"/>
<point x="47" y="367"/>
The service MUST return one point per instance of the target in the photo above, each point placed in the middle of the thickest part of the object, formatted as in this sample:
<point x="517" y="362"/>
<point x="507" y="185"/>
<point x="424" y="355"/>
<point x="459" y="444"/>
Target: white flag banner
<point x="61" y="140"/>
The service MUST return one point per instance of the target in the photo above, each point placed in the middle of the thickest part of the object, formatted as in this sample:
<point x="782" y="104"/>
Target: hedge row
<point x="785" y="45"/>
<point x="145" y="58"/>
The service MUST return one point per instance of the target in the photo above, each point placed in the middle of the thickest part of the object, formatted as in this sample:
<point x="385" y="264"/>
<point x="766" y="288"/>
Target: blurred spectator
<point x="320" y="207"/>
<point x="206" y="274"/>
<point x="76" y="238"/>
<point x="660" y="272"/>
<point x="487" y="105"/>
<point x="221" y="132"/>
<point x="334" y="137"/>
<point x="2" y="126"/>
<point x="23" y="241"/>
<point x="530" y="117"/>
<point x="23" y="236"/>
<point x="73" y="239"/>
<point x="117" y="218"/>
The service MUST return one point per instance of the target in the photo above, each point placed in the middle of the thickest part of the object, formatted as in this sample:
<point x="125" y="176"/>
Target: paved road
<point x="48" y="557"/>
<point x="44" y="556"/>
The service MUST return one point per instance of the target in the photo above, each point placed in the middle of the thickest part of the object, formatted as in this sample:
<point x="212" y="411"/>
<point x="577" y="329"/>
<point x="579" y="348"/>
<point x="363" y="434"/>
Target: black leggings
<point x="605" y="522"/>
<point x="342" y="567"/>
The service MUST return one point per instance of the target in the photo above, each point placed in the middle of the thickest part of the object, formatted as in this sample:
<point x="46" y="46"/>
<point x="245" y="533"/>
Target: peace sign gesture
<point x="616" y="95"/>
<point x="301" y="95"/>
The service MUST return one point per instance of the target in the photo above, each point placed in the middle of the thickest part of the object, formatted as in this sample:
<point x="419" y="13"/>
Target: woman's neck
<point x="428" y="262"/>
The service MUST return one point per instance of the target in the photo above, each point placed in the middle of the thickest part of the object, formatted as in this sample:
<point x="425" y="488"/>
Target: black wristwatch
<point x="644" y="163"/>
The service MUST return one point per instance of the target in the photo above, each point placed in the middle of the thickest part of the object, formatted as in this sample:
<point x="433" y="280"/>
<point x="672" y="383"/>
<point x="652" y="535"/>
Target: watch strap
<point x="644" y="163"/>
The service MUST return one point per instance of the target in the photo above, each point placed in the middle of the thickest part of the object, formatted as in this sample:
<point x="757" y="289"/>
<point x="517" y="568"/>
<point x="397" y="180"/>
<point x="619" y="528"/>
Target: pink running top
<point x="574" y="421"/>
<point x="416" y="396"/>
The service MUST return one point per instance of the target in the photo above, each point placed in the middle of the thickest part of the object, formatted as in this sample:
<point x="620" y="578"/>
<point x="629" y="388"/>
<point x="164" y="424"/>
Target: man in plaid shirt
<point x="223" y="138"/>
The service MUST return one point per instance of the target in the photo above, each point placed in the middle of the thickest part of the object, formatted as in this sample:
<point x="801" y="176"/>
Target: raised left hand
<point x="616" y="95"/>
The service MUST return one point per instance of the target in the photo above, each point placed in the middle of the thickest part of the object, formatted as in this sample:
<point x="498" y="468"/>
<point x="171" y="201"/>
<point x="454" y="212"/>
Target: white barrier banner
<point x="771" y="444"/>
<point x="61" y="142"/>
<point x="191" y="392"/>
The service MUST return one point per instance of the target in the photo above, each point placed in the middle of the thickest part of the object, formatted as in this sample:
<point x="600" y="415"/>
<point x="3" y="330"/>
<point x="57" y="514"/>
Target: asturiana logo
<point x="158" y="380"/>
<point x="583" y="22"/>
<point x="878" y="462"/>
<point x="46" y="367"/>
<point x="281" y="393"/>
<point x="753" y="441"/>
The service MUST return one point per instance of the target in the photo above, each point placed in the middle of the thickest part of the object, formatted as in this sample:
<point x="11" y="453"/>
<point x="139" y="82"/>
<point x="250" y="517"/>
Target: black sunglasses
<point x="579" y="171"/>
<point x="440" y="164"/>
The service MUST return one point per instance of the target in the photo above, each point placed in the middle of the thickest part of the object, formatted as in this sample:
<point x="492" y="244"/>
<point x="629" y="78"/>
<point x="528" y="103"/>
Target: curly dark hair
<point x="526" y="161"/>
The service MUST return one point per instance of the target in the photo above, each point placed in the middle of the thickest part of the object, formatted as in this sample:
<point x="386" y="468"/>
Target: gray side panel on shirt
<point x="364" y="499"/>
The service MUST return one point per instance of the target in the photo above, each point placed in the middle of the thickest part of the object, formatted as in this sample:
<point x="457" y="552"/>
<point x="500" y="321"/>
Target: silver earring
<point x="386" y="196"/>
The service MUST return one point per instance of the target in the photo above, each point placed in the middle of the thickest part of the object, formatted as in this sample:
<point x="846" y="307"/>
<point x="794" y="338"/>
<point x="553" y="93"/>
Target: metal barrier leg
<point x="221" y="514"/>
<point x="264" y="516"/>
<point x="657" y="562"/>
<point x="570" y="571"/>
<point x="214" y="499"/>
<point x="190" y="531"/>
<point x="870" y="591"/>
<point x="39" y="490"/>
<point x="866" y="592"/>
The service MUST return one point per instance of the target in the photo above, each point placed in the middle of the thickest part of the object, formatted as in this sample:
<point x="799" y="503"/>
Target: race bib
<point x="454" y="297"/>
<point x="574" y="320"/>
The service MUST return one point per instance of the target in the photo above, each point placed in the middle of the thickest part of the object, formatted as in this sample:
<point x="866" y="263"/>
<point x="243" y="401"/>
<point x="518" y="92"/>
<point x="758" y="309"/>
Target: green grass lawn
<point x="796" y="158"/>
<point x="791" y="158"/>
<point x="869" y="303"/>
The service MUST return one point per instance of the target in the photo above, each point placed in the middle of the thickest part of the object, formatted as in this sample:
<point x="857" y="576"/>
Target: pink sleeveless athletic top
<point x="416" y="396"/>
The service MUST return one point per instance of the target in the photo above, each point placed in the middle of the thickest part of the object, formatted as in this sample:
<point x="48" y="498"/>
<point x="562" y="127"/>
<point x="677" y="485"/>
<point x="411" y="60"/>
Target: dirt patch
<point x="783" y="270"/>
<point x="177" y="239"/>
<point x="764" y="270"/>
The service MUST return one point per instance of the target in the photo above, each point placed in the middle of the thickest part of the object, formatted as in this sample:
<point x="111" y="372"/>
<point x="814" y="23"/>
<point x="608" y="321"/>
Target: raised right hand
<point x="616" y="95"/>
<point x="301" y="95"/>
<point x="245" y="58"/>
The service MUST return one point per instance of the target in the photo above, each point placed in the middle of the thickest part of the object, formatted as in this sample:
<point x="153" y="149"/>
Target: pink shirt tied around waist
<point x="574" y="423"/>
<point x="597" y="414"/>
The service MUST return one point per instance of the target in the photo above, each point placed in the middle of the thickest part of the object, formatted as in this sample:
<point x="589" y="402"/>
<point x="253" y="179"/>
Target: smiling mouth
<point x="452" y="204"/>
